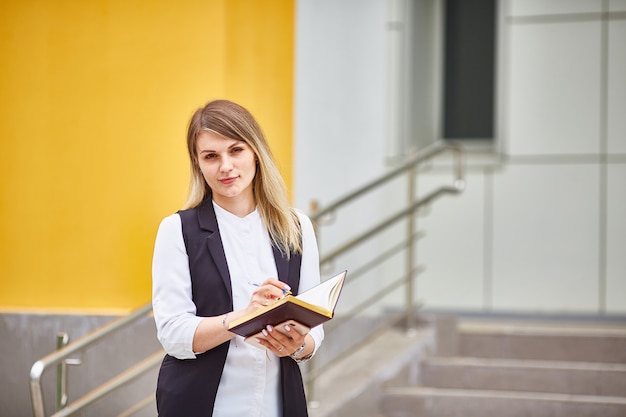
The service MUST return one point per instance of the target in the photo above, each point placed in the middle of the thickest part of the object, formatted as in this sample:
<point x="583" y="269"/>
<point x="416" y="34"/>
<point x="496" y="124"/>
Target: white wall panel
<point x="616" y="240"/>
<point x="616" y="129"/>
<point x="554" y="92"/>
<point x="617" y="5"/>
<point x="452" y="250"/>
<point x="340" y="96"/>
<point x="546" y="238"/>
<point x="543" y="7"/>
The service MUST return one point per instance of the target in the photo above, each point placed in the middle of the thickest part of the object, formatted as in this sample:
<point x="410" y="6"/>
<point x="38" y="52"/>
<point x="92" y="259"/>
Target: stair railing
<point x="62" y="357"/>
<point x="409" y="168"/>
<point x="320" y="218"/>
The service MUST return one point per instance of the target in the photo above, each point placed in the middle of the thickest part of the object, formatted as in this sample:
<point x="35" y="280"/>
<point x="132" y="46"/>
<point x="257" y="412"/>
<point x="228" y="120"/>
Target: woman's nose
<point x="226" y="165"/>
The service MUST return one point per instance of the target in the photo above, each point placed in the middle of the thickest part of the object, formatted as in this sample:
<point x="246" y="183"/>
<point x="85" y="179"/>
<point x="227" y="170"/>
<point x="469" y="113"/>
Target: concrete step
<point x="575" y="378"/>
<point x="352" y="385"/>
<point x="559" y="342"/>
<point x="437" y="402"/>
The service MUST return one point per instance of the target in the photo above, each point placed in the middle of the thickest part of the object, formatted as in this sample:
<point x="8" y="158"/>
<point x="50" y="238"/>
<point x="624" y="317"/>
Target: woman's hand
<point x="282" y="342"/>
<point x="267" y="292"/>
<point x="286" y="340"/>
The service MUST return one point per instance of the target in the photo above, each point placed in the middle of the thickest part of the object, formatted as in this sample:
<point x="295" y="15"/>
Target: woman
<point x="235" y="248"/>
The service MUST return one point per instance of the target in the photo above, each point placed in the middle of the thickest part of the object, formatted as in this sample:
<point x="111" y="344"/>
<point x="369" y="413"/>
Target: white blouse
<point x="250" y="383"/>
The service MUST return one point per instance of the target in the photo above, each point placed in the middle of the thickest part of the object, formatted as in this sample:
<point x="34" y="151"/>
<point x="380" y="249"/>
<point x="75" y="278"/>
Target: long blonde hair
<point x="233" y="121"/>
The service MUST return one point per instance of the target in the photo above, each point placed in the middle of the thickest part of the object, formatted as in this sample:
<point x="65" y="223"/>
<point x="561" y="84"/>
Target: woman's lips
<point x="228" y="180"/>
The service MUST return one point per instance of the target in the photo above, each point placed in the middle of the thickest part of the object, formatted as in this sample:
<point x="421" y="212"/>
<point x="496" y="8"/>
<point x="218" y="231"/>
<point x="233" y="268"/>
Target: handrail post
<point x="410" y="261"/>
<point x="313" y="208"/>
<point x="62" y="340"/>
<point x="35" y="389"/>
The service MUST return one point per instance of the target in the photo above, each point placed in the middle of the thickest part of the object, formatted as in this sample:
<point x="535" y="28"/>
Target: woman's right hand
<point x="268" y="292"/>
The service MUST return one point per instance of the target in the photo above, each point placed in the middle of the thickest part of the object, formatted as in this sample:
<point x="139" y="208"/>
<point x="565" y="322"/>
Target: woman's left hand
<point x="282" y="342"/>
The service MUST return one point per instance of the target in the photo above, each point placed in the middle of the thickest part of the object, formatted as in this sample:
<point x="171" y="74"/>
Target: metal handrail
<point x="387" y="222"/>
<point x="429" y="152"/>
<point x="424" y="155"/>
<point x="63" y="354"/>
<point x="111" y="385"/>
<point x="318" y="216"/>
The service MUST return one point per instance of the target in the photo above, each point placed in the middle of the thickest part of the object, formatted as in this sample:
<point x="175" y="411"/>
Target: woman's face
<point x="228" y="166"/>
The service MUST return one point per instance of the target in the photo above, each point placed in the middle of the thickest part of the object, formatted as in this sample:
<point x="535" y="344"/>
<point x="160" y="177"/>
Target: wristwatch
<point x="298" y="351"/>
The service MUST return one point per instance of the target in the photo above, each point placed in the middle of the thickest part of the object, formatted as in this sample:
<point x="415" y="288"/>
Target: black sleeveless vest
<point x="187" y="388"/>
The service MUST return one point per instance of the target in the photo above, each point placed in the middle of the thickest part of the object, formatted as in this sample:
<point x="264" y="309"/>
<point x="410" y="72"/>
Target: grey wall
<point x="26" y="338"/>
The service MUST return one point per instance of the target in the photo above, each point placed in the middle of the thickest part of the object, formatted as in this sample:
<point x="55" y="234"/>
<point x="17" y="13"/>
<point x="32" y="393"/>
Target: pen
<point x="258" y="284"/>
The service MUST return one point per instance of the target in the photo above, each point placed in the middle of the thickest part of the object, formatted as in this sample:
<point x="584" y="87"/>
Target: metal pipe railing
<point x="61" y="356"/>
<point x="424" y="155"/>
<point x="373" y="231"/>
<point x="111" y="385"/>
<point x="410" y="168"/>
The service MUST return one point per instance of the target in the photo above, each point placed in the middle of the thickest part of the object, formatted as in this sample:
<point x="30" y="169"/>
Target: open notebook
<point x="302" y="312"/>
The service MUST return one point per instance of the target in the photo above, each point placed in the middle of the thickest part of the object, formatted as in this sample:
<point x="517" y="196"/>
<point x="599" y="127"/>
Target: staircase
<point x="513" y="368"/>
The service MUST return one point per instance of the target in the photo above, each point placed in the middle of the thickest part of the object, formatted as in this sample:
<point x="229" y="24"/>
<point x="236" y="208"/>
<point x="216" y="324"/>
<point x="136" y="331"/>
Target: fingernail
<point x="269" y="328"/>
<point x="264" y="332"/>
<point x="287" y="328"/>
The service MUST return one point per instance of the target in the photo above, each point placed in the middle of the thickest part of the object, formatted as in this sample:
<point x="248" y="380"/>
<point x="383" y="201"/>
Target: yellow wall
<point x="95" y="97"/>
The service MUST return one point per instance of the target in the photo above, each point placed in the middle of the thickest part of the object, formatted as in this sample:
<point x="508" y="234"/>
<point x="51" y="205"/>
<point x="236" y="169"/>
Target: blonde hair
<point x="233" y="121"/>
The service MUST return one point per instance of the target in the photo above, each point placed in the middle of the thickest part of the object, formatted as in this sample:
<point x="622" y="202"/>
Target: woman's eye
<point x="237" y="149"/>
<point x="210" y="156"/>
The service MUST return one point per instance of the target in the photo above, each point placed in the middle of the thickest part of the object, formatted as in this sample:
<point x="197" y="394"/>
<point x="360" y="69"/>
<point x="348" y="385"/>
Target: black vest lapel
<point x="282" y="266"/>
<point x="208" y="222"/>
<point x="288" y="269"/>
